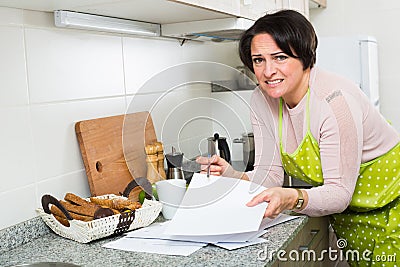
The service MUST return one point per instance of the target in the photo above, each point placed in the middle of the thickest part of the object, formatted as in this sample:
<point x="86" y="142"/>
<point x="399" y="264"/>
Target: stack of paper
<point x="213" y="211"/>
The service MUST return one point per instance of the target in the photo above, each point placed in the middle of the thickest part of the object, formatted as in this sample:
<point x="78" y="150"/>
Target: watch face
<point x="300" y="203"/>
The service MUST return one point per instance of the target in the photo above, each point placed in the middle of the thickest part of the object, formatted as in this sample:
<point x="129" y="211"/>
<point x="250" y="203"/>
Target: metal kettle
<point x="218" y="145"/>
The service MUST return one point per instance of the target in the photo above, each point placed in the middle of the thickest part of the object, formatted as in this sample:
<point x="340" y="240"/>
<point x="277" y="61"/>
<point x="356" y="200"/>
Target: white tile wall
<point x="174" y="116"/>
<point x="153" y="57"/>
<point x="14" y="90"/>
<point x="53" y="128"/>
<point x="50" y="78"/>
<point x="217" y="53"/>
<point x="68" y="65"/>
<point x="38" y="19"/>
<point x="184" y="115"/>
<point x="11" y="16"/>
<point x="237" y="105"/>
<point x="16" y="153"/>
<point x="23" y="200"/>
<point x="75" y="182"/>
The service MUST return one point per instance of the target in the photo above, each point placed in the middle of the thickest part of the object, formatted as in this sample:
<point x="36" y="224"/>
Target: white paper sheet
<point x="152" y="239"/>
<point x="216" y="205"/>
<point x="236" y="245"/>
<point x="281" y="218"/>
<point x="166" y="247"/>
<point x="156" y="231"/>
<point x="213" y="211"/>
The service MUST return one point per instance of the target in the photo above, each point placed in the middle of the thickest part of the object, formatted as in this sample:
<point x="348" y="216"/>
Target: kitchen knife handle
<point x="48" y="199"/>
<point x="143" y="183"/>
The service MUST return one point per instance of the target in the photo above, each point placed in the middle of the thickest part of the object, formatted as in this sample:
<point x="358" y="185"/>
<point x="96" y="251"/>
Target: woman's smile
<point x="274" y="82"/>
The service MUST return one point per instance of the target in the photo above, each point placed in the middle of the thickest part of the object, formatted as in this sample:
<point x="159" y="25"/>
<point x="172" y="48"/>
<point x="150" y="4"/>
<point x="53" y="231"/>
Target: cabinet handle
<point x="314" y="234"/>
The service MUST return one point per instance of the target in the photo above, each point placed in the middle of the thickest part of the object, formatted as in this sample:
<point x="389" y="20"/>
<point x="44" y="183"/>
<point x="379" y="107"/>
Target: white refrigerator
<point x="355" y="57"/>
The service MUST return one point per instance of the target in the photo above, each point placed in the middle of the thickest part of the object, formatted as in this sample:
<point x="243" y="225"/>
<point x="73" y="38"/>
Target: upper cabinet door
<point x="317" y="3"/>
<point x="250" y="9"/>
<point x="254" y="9"/>
<point x="231" y="7"/>
<point x="299" y="5"/>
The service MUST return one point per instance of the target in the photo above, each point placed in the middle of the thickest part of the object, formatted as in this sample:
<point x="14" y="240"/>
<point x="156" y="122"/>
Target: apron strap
<point x="280" y="117"/>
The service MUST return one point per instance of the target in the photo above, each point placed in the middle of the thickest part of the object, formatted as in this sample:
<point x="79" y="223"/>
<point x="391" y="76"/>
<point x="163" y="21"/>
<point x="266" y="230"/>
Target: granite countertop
<point x="50" y="247"/>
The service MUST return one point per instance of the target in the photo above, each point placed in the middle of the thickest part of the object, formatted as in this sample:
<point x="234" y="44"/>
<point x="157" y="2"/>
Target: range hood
<point x="218" y="30"/>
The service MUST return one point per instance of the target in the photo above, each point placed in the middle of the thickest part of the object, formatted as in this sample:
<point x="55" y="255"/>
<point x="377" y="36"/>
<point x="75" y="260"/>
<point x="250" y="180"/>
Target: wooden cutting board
<point x="113" y="151"/>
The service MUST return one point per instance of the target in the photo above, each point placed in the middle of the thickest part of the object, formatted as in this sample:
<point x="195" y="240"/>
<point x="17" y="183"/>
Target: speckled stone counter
<point x="50" y="247"/>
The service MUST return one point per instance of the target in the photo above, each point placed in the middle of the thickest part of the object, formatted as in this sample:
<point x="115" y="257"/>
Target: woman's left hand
<point x="278" y="198"/>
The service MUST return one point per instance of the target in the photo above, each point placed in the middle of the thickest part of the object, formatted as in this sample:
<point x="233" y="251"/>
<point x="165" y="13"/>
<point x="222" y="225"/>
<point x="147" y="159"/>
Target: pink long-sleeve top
<point x="347" y="127"/>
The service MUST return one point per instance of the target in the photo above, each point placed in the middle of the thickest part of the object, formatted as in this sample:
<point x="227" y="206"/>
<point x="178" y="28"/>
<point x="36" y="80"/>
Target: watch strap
<point x="300" y="199"/>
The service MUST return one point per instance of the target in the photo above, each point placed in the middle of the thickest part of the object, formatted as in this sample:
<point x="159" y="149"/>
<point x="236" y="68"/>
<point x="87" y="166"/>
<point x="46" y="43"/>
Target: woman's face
<point x="278" y="74"/>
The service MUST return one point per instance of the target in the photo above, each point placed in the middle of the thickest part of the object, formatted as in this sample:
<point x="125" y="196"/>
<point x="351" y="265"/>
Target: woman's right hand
<point x="278" y="199"/>
<point x="218" y="165"/>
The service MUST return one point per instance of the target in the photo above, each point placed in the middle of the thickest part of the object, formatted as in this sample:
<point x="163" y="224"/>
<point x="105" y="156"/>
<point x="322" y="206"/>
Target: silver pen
<point x="208" y="166"/>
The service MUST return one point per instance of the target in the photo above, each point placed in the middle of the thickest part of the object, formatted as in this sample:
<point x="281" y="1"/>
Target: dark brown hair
<point x="292" y="32"/>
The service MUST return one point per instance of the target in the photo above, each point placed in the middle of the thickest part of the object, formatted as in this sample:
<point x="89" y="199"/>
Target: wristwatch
<point x="300" y="200"/>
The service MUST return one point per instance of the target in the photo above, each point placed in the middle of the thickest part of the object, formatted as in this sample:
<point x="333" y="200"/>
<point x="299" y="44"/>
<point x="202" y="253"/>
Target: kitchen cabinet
<point x="250" y="9"/>
<point x="231" y="7"/>
<point x="254" y="9"/>
<point x="155" y="11"/>
<point x="168" y="11"/>
<point x="312" y="239"/>
<point x="317" y="3"/>
<point x="299" y="5"/>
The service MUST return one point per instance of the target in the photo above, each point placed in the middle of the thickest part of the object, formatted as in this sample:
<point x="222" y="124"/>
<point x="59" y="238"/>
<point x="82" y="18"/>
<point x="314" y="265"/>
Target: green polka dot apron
<point x="369" y="229"/>
<point x="304" y="163"/>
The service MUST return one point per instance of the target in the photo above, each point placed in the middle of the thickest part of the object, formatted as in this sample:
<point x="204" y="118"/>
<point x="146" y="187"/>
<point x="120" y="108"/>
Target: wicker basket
<point x="85" y="232"/>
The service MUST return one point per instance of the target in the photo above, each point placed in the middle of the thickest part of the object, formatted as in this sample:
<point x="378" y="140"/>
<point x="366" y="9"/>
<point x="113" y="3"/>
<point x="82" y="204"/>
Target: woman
<point x="325" y="132"/>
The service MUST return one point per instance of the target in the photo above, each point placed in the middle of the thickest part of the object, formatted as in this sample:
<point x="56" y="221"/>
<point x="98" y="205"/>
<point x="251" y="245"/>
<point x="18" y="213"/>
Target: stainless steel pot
<point x="247" y="140"/>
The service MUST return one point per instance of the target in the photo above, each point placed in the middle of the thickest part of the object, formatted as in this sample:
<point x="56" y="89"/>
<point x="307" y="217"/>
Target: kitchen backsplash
<point x="50" y="78"/>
